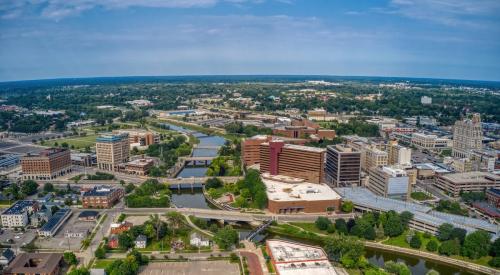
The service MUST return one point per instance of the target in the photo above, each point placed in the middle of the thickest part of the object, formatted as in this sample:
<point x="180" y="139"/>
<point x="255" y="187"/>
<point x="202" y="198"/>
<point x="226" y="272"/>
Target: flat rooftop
<point x="19" y="207"/>
<point x="298" y="147"/>
<point x="471" y="176"/>
<point x="34" y="263"/>
<point x="363" y="197"/>
<point x="283" y="188"/>
<point x="140" y="162"/>
<point x="294" y="258"/>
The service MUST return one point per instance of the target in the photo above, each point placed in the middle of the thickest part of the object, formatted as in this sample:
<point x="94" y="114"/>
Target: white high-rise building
<point x="467" y="136"/>
<point x="425" y="100"/>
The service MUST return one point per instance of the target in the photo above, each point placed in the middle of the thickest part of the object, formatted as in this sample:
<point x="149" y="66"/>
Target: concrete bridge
<point x="196" y="146"/>
<point x="236" y="216"/>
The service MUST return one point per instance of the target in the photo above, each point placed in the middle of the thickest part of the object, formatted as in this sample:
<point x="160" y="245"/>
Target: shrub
<point x="432" y="246"/>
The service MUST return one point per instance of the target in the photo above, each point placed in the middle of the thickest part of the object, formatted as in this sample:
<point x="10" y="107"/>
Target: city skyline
<point x="436" y="39"/>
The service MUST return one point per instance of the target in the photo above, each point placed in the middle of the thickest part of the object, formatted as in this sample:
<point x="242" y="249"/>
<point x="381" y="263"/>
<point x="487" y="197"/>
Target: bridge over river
<point x="235" y="216"/>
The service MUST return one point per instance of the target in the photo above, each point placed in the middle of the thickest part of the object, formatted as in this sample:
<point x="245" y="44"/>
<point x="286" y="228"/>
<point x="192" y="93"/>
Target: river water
<point x="195" y="199"/>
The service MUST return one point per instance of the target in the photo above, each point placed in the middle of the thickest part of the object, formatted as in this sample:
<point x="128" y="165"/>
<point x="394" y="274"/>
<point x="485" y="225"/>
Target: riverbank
<point x="301" y="233"/>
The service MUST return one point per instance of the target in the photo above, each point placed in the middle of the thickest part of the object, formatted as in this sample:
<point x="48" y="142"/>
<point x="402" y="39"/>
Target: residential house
<point x="198" y="240"/>
<point x="141" y="241"/>
<point x="6" y="256"/>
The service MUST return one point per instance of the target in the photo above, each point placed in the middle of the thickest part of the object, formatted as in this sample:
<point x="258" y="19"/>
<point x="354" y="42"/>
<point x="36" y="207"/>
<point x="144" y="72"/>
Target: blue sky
<point x="85" y="38"/>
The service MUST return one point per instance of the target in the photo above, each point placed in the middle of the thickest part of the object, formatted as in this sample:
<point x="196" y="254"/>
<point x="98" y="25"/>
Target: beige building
<point x="398" y="155"/>
<point x="112" y="150"/>
<point x="430" y="142"/>
<point x="467" y="136"/>
<point x="373" y="157"/>
<point x="139" y="137"/>
<point x="454" y="183"/>
<point x="390" y="182"/>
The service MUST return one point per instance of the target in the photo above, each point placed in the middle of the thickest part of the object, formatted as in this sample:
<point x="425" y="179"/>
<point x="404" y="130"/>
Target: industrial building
<point x="50" y="228"/>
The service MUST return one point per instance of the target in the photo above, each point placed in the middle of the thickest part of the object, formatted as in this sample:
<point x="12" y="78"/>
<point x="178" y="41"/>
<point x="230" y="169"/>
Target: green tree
<point x="347" y="206"/>
<point x="48" y="187"/>
<point x="495" y="248"/>
<point x="341" y="226"/>
<point x="322" y="223"/>
<point x="175" y="219"/>
<point x="415" y="241"/>
<point x="226" y="237"/>
<point x="125" y="241"/>
<point x="149" y="230"/>
<point x="70" y="258"/>
<point x="432" y="246"/>
<point x="494" y="262"/>
<point x="213" y="183"/>
<point x="459" y="234"/>
<point x="29" y="187"/>
<point x="100" y="253"/>
<point x="476" y="244"/>
<point x="444" y="231"/>
<point x="79" y="271"/>
<point x="450" y="247"/>
<point x="397" y="268"/>
<point x="393" y="226"/>
<point x="349" y="249"/>
<point x="406" y="216"/>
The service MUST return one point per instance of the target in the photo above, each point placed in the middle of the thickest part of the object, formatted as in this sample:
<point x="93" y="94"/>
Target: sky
<point x="456" y="39"/>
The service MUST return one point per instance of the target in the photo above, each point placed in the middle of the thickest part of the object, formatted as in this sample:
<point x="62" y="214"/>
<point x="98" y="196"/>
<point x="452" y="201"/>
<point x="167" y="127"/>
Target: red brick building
<point x="304" y="129"/>
<point x="47" y="165"/>
<point x="118" y="228"/>
<point x="102" y="197"/>
<point x="278" y="158"/>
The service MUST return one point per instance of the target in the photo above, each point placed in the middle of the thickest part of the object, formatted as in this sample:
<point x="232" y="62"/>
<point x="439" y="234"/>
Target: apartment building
<point x="343" y="166"/>
<point x="390" y="182"/>
<point x="18" y="214"/>
<point x="139" y="137"/>
<point x="112" y="150"/>
<point x="467" y="136"/>
<point x="454" y="183"/>
<point x="279" y="158"/>
<point x="47" y="165"/>
<point x="35" y="263"/>
<point x="102" y="197"/>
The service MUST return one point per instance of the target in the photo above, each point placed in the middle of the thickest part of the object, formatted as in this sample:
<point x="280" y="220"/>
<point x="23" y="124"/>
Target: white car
<point x="17" y="237"/>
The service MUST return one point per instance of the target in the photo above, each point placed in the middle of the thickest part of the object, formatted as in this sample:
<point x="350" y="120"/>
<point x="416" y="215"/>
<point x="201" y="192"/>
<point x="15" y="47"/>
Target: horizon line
<point x="242" y="75"/>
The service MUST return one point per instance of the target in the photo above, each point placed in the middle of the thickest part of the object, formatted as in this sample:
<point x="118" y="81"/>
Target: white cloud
<point x="448" y="12"/>
<point x="58" y="9"/>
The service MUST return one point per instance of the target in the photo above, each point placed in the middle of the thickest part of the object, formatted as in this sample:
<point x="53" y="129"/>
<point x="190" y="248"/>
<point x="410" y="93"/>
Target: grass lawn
<point x="103" y="263"/>
<point x="309" y="227"/>
<point x="400" y="241"/>
<point x="420" y="196"/>
<point x="77" y="142"/>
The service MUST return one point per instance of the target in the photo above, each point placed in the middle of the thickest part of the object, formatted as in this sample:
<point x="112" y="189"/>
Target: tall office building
<point x="390" y="182"/>
<point x="48" y="164"/>
<point x="343" y="166"/>
<point x="398" y="155"/>
<point x="303" y="162"/>
<point x="112" y="150"/>
<point x="467" y="136"/>
<point x="372" y="157"/>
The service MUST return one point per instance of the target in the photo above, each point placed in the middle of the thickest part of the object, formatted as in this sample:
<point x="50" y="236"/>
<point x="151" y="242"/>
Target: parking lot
<point x="201" y="267"/>
<point x="17" y="239"/>
<point x="59" y="241"/>
<point x="7" y="146"/>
